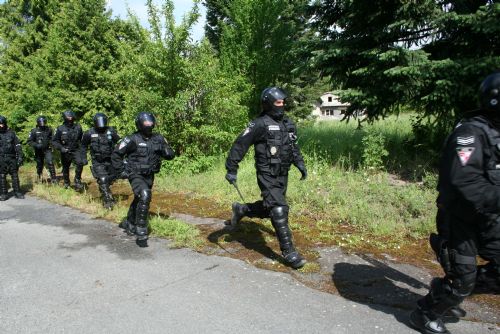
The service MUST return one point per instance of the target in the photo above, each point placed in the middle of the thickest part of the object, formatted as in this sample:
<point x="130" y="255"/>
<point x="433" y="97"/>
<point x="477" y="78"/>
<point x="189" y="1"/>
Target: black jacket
<point x="275" y="144"/>
<point x="469" y="176"/>
<point x="68" y="137"/>
<point x="40" y="138"/>
<point x="143" y="155"/>
<point x="101" y="143"/>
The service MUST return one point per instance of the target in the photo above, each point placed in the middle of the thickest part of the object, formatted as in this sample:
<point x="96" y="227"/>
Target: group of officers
<point x="468" y="219"/>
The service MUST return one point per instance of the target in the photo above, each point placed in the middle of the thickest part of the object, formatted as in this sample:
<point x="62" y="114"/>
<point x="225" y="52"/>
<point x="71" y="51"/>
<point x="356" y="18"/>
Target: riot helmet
<point x="267" y="99"/>
<point x="3" y="123"/>
<point x="145" y="122"/>
<point x="489" y="93"/>
<point x="41" y="121"/>
<point x="100" y="121"/>
<point x="68" y="117"/>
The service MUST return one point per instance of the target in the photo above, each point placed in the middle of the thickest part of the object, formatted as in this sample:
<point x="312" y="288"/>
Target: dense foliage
<point x="386" y="55"/>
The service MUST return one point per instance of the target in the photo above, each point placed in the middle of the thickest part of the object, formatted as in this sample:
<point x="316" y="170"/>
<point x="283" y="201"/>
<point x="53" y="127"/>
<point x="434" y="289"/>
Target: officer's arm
<point x="247" y="138"/>
<point x="19" y="149"/>
<point x="465" y="149"/>
<point x="166" y="151"/>
<point x="85" y="141"/>
<point x="56" y="141"/>
<point x="298" y="160"/>
<point x="114" y="136"/>
<point x="123" y="148"/>
<point x="31" y="139"/>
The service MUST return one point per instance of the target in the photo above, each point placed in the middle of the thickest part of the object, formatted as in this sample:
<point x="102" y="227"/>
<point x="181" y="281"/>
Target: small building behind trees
<point x="328" y="107"/>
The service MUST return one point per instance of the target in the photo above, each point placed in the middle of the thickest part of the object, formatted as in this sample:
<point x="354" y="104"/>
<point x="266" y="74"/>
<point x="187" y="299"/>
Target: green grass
<point x="184" y="235"/>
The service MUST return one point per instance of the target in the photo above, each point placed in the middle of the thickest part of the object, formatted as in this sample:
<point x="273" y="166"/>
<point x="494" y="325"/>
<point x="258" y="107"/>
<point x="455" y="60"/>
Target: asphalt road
<point x="64" y="272"/>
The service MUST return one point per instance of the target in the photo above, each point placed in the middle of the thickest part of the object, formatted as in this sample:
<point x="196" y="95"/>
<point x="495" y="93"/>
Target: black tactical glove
<point x="303" y="171"/>
<point x="231" y="178"/>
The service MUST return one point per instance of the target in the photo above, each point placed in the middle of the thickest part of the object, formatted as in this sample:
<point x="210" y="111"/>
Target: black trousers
<point x="273" y="193"/>
<point x="41" y="157"/>
<point x="138" y="184"/>
<point x="67" y="159"/>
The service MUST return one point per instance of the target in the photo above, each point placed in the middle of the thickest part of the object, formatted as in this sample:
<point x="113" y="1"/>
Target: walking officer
<point x="11" y="158"/>
<point x="274" y="137"/>
<point x="40" y="138"/>
<point x="101" y="139"/>
<point x="67" y="140"/>
<point x="468" y="219"/>
<point x="143" y="151"/>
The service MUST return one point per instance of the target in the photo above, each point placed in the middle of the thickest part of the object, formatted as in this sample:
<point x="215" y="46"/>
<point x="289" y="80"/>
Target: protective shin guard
<point x="107" y="197"/>
<point x="78" y="177"/>
<point x="16" y="186"/>
<point x="279" y="219"/>
<point x="3" y="187"/>
<point x="67" y="183"/>
<point x="52" y="172"/>
<point x="142" y="212"/>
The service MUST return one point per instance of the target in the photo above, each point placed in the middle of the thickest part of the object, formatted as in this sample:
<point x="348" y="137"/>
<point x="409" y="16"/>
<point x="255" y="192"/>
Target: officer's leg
<point x="3" y="187"/>
<point x="488" y="276"/>
<point x="448" y="292"/>
<point x="129" y="223"/>
<point x="39" y="164"/>
<point x="16" y="184"/>
<point x="78" y="171"/>
<point x="100" y="174"/>
<point x="274" y="198"/>
<point x="49" y="160"/>
<point x="66" y="162"/>
<point x="142" y="211"/>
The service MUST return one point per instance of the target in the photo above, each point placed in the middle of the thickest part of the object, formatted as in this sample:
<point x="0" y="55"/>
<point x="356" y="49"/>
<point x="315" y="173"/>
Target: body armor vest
<point x="101" y="145"/>
<point x="145" y="160"/>
<point x="275" y="153"/>
<point x="7" y="145"/>
<point x="41" y="136"/>
<point x="70" y="136"/>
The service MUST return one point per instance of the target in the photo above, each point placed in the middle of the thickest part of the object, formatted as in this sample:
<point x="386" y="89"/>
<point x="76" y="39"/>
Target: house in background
<point x="328" y="107"/>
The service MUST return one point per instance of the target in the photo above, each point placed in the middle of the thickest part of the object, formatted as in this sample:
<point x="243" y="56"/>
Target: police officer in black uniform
<point x="468" y="218"/>
<point x="40" y="138"/>
<point x="102" y="140"/>
<point x="143" y="151"/>
<point x="11" y="158"/>
<point x="67" y="140"/>
<point x="274" y="137"/>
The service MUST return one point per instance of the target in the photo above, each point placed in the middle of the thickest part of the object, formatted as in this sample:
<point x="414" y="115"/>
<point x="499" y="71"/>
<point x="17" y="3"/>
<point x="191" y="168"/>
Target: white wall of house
<point x="328" y="107"/>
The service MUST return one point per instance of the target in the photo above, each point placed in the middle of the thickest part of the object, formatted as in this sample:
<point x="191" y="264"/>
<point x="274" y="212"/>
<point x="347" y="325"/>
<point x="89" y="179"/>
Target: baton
<point x="238" y="190"/>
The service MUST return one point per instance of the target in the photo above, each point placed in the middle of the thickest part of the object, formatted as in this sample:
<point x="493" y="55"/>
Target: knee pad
<point x="279" y="212"/>
<point x="145" y="196"/>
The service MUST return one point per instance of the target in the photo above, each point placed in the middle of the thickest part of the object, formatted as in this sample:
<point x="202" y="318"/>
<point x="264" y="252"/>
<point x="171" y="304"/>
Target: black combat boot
<point x="16" y="186"/>
<point x="488" y="279"/>
<point x="3" y="188"/>
<point x="52" y="172"/>
<point x="239" y="211"/>
<point x="427" y="322"/>
<point x="127" y="226"/>
<point x="279" y="219"/>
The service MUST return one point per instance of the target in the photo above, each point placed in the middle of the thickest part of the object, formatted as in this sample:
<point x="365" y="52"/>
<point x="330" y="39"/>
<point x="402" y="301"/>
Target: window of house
<point x="329" y="99"/>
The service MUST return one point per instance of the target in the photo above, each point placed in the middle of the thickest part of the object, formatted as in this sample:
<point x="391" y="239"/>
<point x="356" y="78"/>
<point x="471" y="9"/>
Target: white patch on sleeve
<point x="123" y="143"/>
<point x="464" y="154"/>
<point x="247" y="131"/>
<point x="465" y="140"/>
<point x="274" y="128"/>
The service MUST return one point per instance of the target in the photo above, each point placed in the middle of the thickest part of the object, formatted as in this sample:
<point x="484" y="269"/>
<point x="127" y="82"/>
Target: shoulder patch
<point x="274" y="127"/>
<point x="465" y="140"/>
<point x="251" y="124"/>
<point x="464" y="154"/>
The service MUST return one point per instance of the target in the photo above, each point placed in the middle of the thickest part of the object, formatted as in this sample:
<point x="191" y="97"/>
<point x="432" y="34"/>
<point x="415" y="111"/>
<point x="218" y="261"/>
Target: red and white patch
<point x="464" y="153"/>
